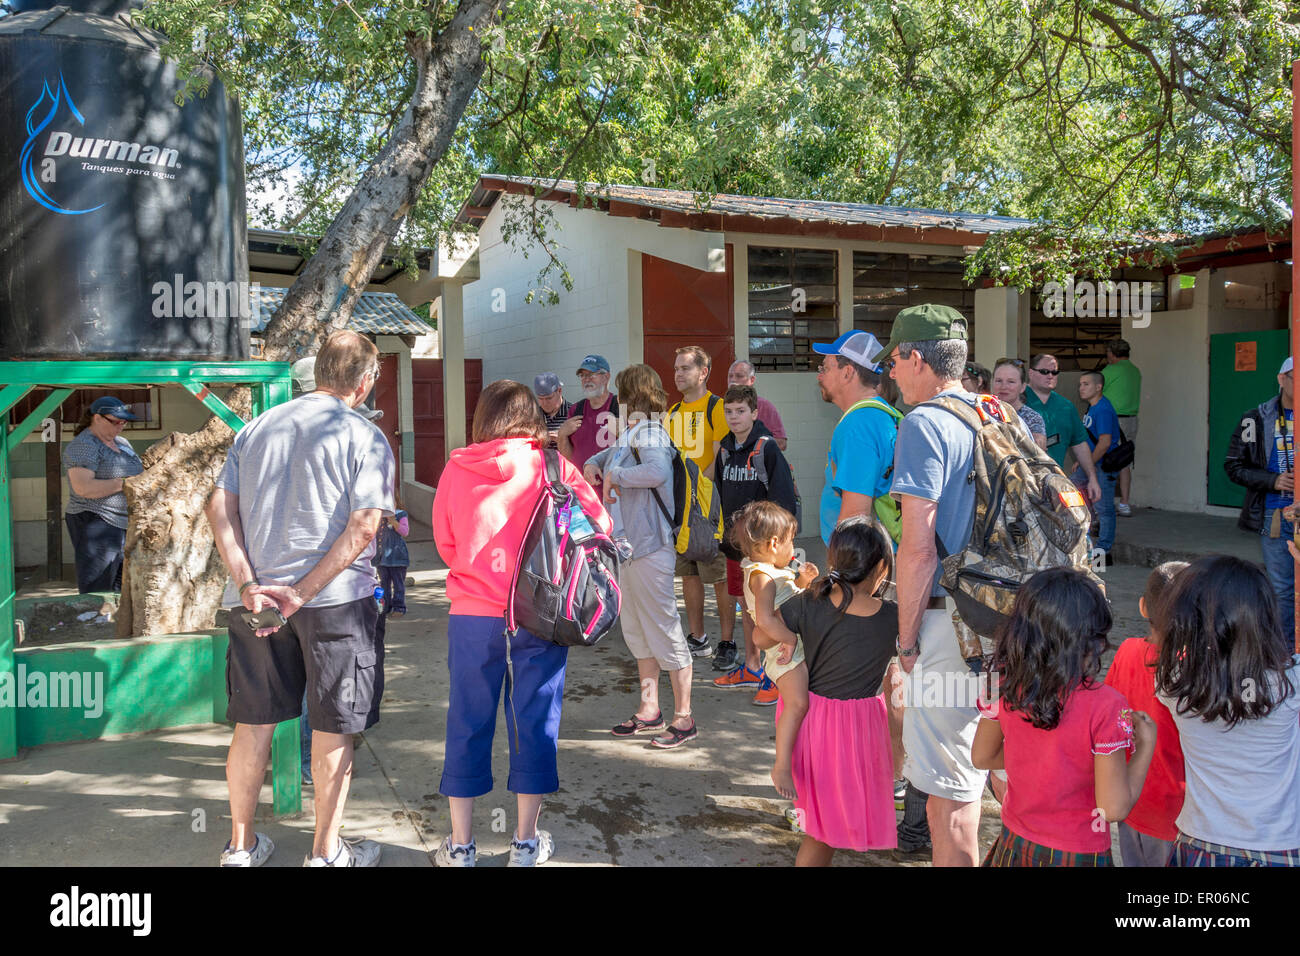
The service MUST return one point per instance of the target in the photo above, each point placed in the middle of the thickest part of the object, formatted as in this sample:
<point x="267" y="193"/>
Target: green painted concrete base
<point x="93" y="689"/>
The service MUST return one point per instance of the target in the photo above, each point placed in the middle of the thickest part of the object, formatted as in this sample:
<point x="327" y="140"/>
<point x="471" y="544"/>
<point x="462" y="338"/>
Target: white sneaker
<point x="1123" y="510"/>
<point x="255" y="855"/>
<point x="349" y="853"/>
<point x="534" y="854"/>
<point x="449" y="854"/>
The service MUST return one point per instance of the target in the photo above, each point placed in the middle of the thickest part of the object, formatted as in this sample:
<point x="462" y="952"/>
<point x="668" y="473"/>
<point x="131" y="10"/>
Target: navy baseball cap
<point x="548" y="383"/>
<point x="108" y="405"/>
<point x="594" y="363"/>
<point x="861" y="348"/>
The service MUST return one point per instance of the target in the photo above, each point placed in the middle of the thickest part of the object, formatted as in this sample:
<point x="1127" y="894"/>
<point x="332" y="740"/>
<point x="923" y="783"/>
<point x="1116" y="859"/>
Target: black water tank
<point x="122" y="220"/>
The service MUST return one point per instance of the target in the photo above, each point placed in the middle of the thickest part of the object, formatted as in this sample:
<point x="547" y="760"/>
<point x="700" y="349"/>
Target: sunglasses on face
<point x="1047" y="371"/>
<point x="115" y="422"/>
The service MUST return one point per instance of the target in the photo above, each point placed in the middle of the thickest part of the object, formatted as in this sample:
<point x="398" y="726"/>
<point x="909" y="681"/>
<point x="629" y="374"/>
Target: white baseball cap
<point x="1286" y="366"/>
<point x="861" y="348"/>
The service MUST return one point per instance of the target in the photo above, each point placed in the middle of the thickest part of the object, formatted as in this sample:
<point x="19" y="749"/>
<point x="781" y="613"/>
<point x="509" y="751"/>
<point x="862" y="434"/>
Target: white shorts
<point x="651" y="624"/>
<point x="940" y="715"/>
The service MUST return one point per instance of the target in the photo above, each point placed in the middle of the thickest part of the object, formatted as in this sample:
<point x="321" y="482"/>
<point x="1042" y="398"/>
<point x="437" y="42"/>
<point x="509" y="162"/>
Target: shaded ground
<point x="56" y="623"/>
<point x="160" y="799"/>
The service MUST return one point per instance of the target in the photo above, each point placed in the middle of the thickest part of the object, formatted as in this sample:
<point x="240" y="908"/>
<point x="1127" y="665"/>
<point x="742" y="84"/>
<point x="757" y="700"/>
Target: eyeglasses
<point x="115" y="422"/>
<point x="1047" y="371"/>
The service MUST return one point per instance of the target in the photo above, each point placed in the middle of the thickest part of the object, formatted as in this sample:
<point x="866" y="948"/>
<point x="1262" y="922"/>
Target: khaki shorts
<point x="651" y="625"/>
<point x="713" y="572"/>
<point x="940" y="697"/>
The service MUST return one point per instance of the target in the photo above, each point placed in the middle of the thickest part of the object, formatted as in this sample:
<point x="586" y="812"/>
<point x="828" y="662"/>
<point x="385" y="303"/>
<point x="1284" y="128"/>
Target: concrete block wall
<point x="808" y="424"/>
<point x="528" y="338"/>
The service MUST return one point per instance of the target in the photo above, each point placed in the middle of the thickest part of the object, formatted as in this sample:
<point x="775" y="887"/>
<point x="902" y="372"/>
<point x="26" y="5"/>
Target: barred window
<point x="792" y="304"/>
<point x="885" y="283"/>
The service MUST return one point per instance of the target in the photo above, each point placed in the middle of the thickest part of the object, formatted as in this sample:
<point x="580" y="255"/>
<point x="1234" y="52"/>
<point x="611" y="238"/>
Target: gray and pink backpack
<point x="565" y="586"/>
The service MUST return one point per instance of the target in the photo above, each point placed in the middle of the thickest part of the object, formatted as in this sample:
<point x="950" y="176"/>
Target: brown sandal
<point x="635" y="725"/>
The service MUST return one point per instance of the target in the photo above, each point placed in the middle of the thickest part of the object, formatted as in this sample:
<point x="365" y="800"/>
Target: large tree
<point x="357" y="108"/>
<point x="1112" y="122"/>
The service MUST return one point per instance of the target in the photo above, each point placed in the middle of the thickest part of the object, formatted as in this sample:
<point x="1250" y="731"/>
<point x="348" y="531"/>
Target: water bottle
<point x="379" y="598"/>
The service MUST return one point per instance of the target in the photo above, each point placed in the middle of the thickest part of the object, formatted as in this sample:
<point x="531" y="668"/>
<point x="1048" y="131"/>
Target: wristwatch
<point x="911" y="651"/>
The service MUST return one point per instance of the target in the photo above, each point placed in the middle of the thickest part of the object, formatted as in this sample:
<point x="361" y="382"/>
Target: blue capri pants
<point x="476" y="658"/>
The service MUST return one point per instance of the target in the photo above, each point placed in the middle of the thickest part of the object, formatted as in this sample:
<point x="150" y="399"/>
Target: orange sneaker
<point x="739" y="677"/>
<point x="767" y="695"/>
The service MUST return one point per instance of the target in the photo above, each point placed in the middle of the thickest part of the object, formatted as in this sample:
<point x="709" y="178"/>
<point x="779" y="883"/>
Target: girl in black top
<point x="842" y="764"/>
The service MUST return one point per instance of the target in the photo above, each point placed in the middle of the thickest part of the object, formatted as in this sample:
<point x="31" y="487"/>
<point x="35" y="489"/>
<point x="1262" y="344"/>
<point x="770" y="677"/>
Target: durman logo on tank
<point x="114" y="156"/>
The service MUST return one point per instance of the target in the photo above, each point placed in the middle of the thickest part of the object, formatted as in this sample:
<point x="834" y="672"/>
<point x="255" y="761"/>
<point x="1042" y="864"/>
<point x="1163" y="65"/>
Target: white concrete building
<point x="651" y="271"/>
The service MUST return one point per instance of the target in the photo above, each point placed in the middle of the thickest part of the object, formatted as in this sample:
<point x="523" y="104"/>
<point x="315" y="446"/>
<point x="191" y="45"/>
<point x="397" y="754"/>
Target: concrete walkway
<point x="160" y="799"/>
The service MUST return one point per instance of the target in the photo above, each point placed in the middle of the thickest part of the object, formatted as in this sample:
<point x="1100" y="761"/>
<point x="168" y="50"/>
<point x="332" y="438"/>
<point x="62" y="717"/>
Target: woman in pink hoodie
<point x="484" y="500"/>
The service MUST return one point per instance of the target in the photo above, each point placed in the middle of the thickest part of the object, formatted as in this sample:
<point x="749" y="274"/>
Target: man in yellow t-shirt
<point x="697" y="425"/>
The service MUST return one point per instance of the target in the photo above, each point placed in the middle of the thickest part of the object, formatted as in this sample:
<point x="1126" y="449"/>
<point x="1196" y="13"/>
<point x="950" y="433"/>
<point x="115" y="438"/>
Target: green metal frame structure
<point x="270" y="382"/>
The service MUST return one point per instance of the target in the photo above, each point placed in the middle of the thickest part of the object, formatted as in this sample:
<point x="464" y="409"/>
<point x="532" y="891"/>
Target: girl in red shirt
<point x="1061" y="735"/>
<point x="1146" y="837"/>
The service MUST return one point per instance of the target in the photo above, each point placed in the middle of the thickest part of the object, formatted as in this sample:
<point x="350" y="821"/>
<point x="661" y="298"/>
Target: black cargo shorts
<point x="334" y="653"/>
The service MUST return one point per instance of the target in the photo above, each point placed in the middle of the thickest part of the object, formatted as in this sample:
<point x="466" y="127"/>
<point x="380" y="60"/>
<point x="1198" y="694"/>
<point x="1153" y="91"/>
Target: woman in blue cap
<point x="98" y="459"/>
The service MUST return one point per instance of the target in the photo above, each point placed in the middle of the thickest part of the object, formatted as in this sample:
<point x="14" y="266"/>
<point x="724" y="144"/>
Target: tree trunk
<point x="173" y="577"/>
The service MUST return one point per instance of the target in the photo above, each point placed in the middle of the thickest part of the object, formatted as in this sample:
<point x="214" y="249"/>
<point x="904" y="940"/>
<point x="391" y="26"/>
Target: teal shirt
<point x="1064" y="427"/>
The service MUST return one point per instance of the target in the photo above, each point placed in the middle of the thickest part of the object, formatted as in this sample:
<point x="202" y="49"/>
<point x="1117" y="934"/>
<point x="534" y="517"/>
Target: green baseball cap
<point x="924" y="323"/>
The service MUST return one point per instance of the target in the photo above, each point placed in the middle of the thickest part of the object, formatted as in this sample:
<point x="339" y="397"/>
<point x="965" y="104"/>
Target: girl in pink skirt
<point x="842" y="767"/>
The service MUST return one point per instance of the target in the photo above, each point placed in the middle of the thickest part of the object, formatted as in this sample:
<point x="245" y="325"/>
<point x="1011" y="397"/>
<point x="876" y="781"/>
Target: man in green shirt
<point x="1124" y="390"/>
<point x="1064" y="427"/>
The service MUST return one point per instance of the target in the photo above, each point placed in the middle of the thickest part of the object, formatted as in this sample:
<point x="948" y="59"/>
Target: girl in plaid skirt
<point x="1061" y="735"/>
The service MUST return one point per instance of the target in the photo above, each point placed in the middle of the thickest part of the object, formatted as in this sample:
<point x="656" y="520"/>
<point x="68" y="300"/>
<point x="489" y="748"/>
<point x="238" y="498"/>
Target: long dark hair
<point x="1223" y="653"/>
<point x="84" y="422"/>
<point x="857" y="548"/>
<point x="1052" y="645"/>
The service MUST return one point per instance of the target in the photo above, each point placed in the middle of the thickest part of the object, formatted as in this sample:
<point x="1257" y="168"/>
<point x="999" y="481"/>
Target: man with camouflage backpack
<point x="946" y="464"/>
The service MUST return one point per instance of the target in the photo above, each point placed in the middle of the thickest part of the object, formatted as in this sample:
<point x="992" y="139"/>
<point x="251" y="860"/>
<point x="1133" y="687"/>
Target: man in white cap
<point x="1261" y="457"/>
<point x="862" y="445"/>
<point x="859" y="466"/>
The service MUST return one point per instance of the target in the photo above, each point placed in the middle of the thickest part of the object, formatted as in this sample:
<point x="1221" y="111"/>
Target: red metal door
<point x="684" y="306"/>
<point x="384" y="398"/>
<point x="426" y="401"/>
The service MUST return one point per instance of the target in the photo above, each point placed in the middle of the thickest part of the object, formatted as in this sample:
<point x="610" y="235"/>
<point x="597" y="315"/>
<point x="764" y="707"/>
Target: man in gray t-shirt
<point x="294" y="514"/>
<point x="933" y="457"/>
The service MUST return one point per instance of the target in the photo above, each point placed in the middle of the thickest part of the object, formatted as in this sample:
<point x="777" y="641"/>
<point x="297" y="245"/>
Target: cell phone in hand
<point x="267" y="617"/>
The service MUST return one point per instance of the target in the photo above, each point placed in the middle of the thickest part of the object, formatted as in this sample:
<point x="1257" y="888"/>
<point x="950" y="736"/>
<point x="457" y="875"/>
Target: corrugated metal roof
<point x="763" y="207"/>
<point x="376" y="313"/>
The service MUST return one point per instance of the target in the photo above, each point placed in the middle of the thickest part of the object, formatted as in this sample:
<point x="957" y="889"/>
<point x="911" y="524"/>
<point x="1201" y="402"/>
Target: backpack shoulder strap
<point x="958" y="409"/>
<point x="552" y="458"/>
<point x="758" y="462"/>
<point x="885" y="407"/>
<point x="712" y="404"/>
<point x="663" y="509"/>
